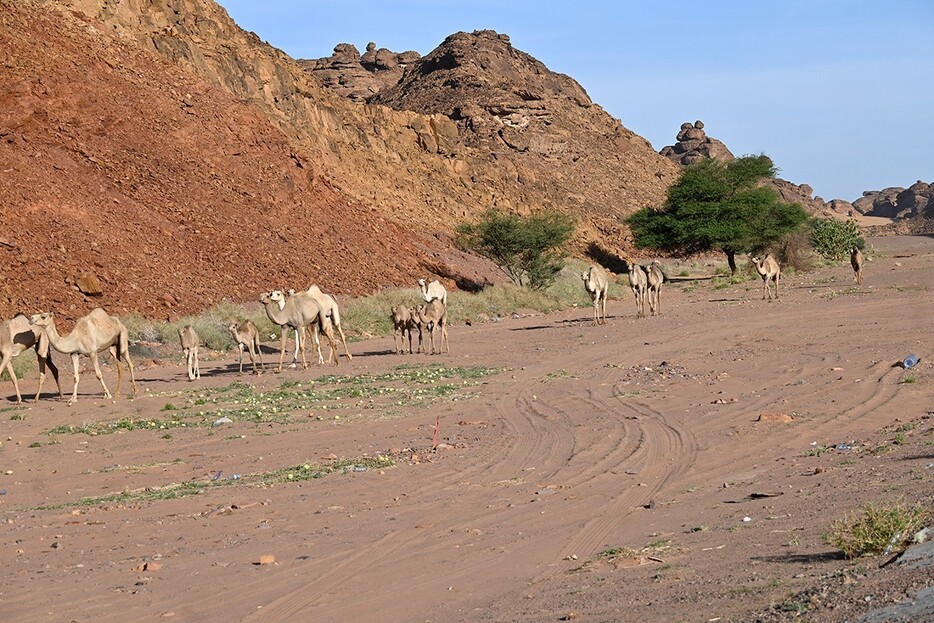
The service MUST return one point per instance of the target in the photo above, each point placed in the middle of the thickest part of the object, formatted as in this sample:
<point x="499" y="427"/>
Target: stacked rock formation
<point x="694" y="146"/>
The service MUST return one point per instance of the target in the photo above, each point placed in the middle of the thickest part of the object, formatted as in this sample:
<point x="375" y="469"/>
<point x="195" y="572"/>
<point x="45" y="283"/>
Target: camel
<point x="856" y="260"/>
<point x="92" y="334"/>
<point x="638" y="281"/>
<point x="595" y="282"/>
<point x="433" y="290"/>
<point x="16" y="337"/>
<point x="770" y="271"/>
<point x="246" y="334"/>
<point x="190" y="341"/>
<point x="434" y="316"/>
<point x="654" y="280"/>
<point x="329" y="305"/>
<point x="297" y="312"/>
<point x="404" y="322"/>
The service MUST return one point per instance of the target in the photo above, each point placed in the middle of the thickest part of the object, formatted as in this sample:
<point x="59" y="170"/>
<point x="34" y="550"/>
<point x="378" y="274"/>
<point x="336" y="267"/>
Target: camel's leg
<point x="316" y="338"/>
<point x="409" y="331"/>
<point x="259" y="353"/>
<point x="8" y="364"/>
<point x="301" y="337"/>
<point x="328" y="331"/>
<point x="344" y="342"/>
<point x="285" y="336"/>
<point x="197" y="364"/>
<point x="114" y="354"/>
<point x="658" y="300"/>
<point x="444" y="337"/>
<point x="76" y="365"/>
<point x="420" y="338"/>
<point x="100" y="375"/>
<point x="776" y="285"/>
<point x="129" y="364"/>
<point x="240" y="349"/>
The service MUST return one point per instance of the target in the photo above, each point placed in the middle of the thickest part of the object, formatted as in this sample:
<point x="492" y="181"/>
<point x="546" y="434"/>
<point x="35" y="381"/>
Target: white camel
<point x="433" y="290"/>
<point x="247" y="335"/>
<point x="190" y="341"/>
<point x="329" y="305"/>
<point x="596" y="284"/>
<point x="404" y="322"/>
<point x="16" y="337"/>
<point x="654" y="280"/>
<point x="856" y="261"/>
<point x="434" y="316"/>
<point x="770" y="272"/>
<point x="92" y="334"/>
<point x="297" y="312"/>
<point x="638" y="281"/>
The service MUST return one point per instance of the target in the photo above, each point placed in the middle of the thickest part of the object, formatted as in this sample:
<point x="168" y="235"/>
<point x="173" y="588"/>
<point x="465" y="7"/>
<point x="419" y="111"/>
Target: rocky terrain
<point x="359" y="77"/>
<point x="916" y="201"/>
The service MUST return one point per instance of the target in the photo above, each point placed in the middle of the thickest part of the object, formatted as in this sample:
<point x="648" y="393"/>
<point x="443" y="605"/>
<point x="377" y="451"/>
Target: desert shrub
<point x="529" y="249"/>
<point x="211" y="326"/>
<point x="879" y="527"/>
<point x="835" y="239"/>
<point x="795" y="251"/>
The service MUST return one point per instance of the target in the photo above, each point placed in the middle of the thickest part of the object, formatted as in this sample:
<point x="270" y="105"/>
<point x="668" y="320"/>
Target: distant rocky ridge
<point x="899" y="203"/>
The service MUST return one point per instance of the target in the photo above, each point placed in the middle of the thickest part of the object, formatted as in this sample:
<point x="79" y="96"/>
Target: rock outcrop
<point x="916" y="201"/>
<point x="693" y="145"/>
<point x="359" y="77"/>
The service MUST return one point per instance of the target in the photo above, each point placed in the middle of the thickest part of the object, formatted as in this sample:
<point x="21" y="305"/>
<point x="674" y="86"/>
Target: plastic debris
<point x="910" y="361"/>
<point x="223" y="420"/>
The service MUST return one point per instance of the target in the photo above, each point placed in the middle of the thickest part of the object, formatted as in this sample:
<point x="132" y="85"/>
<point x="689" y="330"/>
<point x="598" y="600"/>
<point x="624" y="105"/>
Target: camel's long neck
<point x="275" y="314"/>
<point x="66" y="344"/>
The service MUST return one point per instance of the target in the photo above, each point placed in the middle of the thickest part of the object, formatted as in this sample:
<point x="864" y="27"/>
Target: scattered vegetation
<point x="877" y="529"/>
<point x="211" y="326"/>
<point x="24" y="365"/>
<point x="172" y="491"/>
<point x="529" y="249"/>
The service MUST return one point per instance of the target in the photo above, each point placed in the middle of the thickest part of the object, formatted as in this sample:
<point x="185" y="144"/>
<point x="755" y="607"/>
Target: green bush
<point x="530" y="250"/>
<point x="877" y="529"/>
<point x="26" y="365"/>
<point x="835" y="239"/>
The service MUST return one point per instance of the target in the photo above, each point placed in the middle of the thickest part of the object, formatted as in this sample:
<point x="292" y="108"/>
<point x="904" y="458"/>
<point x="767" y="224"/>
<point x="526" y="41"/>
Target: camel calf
<point x="246" y="334"/>
<point x="654" y="280"/>
<point x="638" y="281"/>
<point x="404" y="322"/>
<point x="190" y="341"/>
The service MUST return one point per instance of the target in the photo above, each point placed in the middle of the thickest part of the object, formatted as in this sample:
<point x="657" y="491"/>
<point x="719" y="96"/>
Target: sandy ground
<point x="564" y="443"/>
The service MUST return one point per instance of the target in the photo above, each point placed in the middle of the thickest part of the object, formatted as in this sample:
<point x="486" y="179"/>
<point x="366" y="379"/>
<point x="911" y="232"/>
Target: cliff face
<point x="170" y="191"/>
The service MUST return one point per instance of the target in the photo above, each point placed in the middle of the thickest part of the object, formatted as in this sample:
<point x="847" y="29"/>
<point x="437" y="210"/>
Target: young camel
<point x="595" y="282"/>
<point x="92" y="334"/>
<point x="638" y="281"/>
<point x="297" y="312"/>
<point x="769" y="270"/>
<point x="16" y="337"/>
<point x="246" y="334"/>
<point x="404" y="322"/>
<point x="190" y="341"/>
<point x="654" y="280"/>
<point x="434" y="316"/>
<point x="856" y="260"/>
<point x="433" y="290"/>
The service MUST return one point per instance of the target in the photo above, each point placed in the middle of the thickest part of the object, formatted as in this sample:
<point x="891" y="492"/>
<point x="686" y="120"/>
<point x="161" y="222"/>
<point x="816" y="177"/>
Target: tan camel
<point x="246" y="334"/>
<point x="434" y="316"/>
<point x="433" y="290"/>
<point x="329" y="305"/>
<point x="597" y="286"/>
<point x="856" y="260"/>
<point x="638" y="281"/>
<point x="190" y="341"/>
<point x="654" y="280"/>
<point x="404" y="322"/>
<point x="92" y="334"/>
<point x="297" y="312"/>
<point x="770" y="272"/>
<point x="16" y="337"/>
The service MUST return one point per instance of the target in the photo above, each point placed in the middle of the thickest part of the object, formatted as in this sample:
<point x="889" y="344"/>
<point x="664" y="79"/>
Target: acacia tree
<point x="716" y="205"/>
<point x="530" y="250"/>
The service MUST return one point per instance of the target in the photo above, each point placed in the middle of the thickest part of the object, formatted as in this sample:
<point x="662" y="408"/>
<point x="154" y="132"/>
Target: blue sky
<point x="840" y="93"/>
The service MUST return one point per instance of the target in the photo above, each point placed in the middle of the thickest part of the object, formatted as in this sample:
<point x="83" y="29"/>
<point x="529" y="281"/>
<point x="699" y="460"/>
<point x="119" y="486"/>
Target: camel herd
<point x="98" y="331"/>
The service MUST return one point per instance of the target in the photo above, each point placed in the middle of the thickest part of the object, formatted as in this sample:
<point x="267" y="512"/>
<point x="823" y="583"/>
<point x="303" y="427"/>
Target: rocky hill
<point x="165" y="191"/>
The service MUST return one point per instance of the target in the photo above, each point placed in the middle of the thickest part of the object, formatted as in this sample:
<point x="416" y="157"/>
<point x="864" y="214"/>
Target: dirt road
<point x="593" y="473"/>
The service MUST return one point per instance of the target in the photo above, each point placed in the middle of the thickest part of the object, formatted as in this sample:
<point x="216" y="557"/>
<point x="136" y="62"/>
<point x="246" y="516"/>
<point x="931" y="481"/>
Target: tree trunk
<point x="731" y="260"/>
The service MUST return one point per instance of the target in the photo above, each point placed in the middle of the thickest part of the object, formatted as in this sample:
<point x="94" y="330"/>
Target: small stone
<point x="266" y="559"/>
<point x="778" y="418"/>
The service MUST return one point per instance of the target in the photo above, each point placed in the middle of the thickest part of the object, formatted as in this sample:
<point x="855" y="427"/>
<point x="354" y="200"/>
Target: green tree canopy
<point x="716" y="205"/>
<point x="530" y="250"/>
